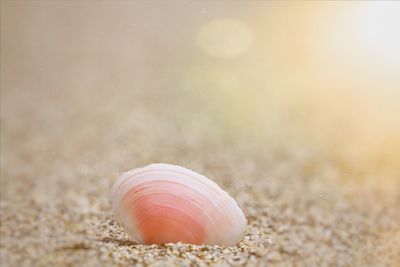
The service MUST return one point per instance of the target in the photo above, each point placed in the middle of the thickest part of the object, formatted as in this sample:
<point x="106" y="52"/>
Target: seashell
<point x="164" y="203"/>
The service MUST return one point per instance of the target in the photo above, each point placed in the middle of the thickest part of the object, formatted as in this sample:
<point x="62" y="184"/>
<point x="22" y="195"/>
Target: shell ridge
<point x="129" y="181"/>
<point x="205" y="216"/>
<point x="199" y="191"/>
<point x="147" y="170"/>
<point x="159" y="176"/>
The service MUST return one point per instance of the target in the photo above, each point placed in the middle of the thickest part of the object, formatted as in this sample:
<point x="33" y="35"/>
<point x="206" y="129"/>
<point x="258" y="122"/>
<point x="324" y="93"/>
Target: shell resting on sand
<point x="163" y="203"/>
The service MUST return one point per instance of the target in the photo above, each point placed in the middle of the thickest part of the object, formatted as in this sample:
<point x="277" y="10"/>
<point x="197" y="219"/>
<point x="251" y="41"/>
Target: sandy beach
<point x="89" y="91"/>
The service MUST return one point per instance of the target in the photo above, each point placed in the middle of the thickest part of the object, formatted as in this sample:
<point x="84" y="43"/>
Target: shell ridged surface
<point x="163" y="203"/>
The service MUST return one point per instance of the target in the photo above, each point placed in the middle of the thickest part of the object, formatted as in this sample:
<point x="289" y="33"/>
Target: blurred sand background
<point x="292" y="107"/>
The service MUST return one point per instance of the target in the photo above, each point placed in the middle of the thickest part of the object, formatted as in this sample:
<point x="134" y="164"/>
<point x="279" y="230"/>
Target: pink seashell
<point x="163" y="203"/>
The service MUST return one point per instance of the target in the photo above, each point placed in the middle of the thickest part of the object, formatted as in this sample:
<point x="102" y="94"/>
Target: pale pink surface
<point x="164" y="218"/>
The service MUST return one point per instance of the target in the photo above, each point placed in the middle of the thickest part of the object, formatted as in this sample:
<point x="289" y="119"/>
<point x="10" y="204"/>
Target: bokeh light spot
<point x="224" y="38"/>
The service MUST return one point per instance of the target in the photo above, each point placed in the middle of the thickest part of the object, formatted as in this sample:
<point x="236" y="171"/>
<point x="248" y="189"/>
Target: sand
<point x="75" y="115"/>
<point x="58" y="168"/>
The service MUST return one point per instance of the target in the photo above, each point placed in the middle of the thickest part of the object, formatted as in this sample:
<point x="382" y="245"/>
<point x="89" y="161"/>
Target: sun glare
<point x="380" y="28"/>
